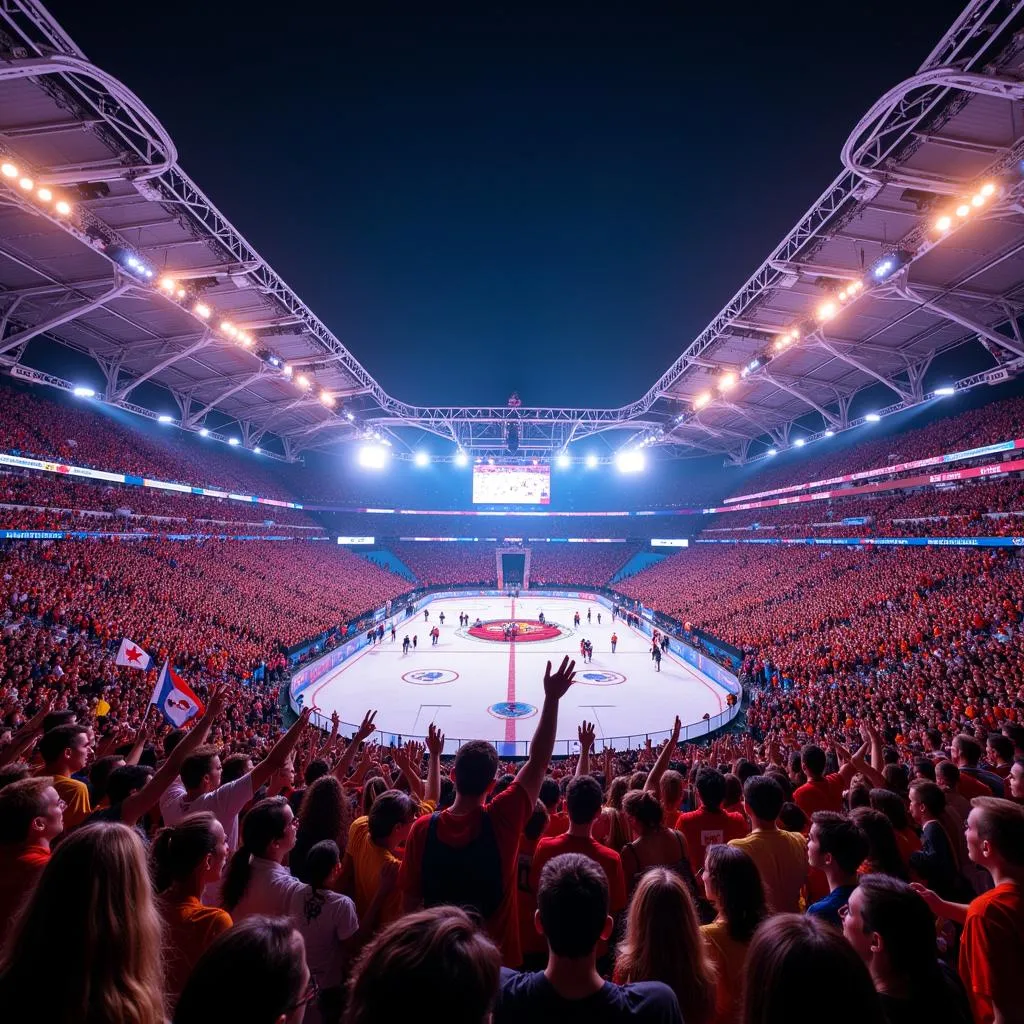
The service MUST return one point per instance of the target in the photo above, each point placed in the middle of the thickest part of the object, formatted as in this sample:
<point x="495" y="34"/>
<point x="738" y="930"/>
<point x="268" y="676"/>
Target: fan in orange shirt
<point x="185" y="859"/>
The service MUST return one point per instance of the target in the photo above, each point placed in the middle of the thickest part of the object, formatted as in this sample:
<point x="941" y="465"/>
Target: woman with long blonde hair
<point x="663" y="943"/>
<point x="612" y="827"/>
<point x="85" y="948"/>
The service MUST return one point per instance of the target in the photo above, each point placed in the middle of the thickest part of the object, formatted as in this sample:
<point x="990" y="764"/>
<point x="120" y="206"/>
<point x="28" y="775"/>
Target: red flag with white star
<point x="132" y="655"/>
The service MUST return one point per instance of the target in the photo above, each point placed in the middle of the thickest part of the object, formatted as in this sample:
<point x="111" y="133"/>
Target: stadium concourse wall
<point x="903" y="542"/>
<point x="309" y="674"/>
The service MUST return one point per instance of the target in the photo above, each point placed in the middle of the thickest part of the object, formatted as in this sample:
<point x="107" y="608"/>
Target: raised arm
<point x="531" y="775"/>
<point x="653" y="783"/>
<point x="23" y="739"/>
<point x="140" y="803"/>
<point x="280" y="751"/>
<point x="586" y="736"/>
<point x="366" y="727"/>
<point x="435" y="744"/>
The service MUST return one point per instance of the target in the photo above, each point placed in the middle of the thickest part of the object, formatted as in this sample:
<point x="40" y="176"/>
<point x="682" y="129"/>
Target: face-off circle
<point x="520" y="630"/>
<point x="430" y="676"/>
<point x="512" y="709"/>
<point x="599" y="677"/>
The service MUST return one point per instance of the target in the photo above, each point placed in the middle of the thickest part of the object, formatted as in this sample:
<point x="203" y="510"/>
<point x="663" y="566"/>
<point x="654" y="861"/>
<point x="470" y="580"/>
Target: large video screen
<point x="511" y="485"/>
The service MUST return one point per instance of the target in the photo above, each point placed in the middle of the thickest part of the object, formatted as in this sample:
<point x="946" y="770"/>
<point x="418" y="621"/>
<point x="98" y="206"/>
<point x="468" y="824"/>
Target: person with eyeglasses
<point x="31" y="817"/>
<point x="255" y="972"/>
<point x="256" y="880"/>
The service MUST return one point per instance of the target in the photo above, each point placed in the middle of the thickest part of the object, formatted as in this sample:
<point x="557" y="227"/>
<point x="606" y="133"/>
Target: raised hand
<point x="587" y="735"/>
<point x="556" y="686"/>
<point x="435" y="740"/>
<point x="366" y="727"/>
<point x="677" y="728"/>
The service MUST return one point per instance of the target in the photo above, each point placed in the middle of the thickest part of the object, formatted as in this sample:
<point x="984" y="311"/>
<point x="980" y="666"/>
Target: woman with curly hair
<point x="325" y="813"/>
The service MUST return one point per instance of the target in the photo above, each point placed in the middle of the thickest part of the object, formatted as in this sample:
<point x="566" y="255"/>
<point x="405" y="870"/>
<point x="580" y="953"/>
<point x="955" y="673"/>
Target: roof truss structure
<point x="280" y="372"/>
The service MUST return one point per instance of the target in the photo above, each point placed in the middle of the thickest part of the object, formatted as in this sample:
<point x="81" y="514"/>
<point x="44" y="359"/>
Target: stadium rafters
<point x="113" y="251"/>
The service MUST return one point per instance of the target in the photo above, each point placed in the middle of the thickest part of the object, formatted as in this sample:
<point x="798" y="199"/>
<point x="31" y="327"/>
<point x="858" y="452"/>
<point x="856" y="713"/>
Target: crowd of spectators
<point x="988" y="424"/>
<point x="854" y="848"/>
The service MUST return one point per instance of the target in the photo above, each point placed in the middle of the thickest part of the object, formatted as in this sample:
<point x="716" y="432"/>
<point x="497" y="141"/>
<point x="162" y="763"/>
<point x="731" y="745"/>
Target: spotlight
<point x="630" y="462"/>
<point x="945" y="392"/>
<point x="233" y="441"/>
<point x="563" y="461"/>
<point x="977" y="200"/>
<point x="944" y="223"/>
<point x="164" y="418"/>
<point x="288" y="371"/>
<point x="302" y="380"/>
<point x="799" y="442"/>
<point x="883" y="268"/>
<point x="461" y="459"/>
<point x="63" y="207"/>
<point x="702" y="399"/>
<point x="202" y="309"/>
<point x="349" y="417"/>
<point x="962" y="210"/>
<point x="826" y="311"/>
<point x="590" y="461"/>
<point x="773" y="451"/>
<point x="987" y="189"/>
<point x="830" y="433"/>
<point x="490" y="462"/>
<point x="203" y="432"/>
<point x="727" y="381"/>
<point x="373" y="456"/>
<point x="8" y="170"/>
<point x="421" y="459"/>
<point x="257" y="451"/>
<point x="273" y="360"/>
<point x="83" y="392"/>
<point x="27" y="184"/>
<point x="872" y="417"/>
<point x="44" y="194"/>
<point x="228" y="327"/>
<point x="327" y="398"/>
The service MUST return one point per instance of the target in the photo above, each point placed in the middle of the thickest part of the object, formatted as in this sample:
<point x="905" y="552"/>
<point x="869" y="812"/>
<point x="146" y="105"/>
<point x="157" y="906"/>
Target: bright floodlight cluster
<point x="43" y="196"/>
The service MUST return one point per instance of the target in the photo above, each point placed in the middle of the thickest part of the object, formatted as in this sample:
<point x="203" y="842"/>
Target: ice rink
<point x="477" y="688"/>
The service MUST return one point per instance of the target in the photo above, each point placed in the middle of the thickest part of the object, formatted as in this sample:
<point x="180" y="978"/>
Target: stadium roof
<point x="141" y="272"/>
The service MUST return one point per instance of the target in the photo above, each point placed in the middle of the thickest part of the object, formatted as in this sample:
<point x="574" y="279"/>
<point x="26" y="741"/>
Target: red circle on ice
<point x="522" y="630"/>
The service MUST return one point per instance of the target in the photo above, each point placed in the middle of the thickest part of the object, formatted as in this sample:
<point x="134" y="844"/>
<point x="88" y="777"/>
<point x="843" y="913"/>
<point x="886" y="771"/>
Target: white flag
<point x="132" y="655"/>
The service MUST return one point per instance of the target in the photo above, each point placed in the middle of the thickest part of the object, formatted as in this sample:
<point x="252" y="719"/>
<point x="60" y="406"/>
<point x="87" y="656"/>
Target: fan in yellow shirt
<point x="781" y="857"/>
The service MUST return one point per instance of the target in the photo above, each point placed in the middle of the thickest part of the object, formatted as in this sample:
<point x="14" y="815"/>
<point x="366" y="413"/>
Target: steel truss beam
<point x="239" y="385"/>
<point x="203" y="341"/>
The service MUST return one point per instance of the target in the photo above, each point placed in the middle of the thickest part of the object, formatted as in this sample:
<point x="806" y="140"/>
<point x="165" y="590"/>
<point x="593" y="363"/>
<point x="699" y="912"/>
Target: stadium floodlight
<point x="727" y="381"/>
<point x="944" y="223"/>
<point x="63" y="207"/>
<point x="204" y="432"/>
<point x="164" y="418"/>
<point x="27" y="183"/>
<point x="233" y="441"/>
<point x="44" y="194"/>
<point x="799" y="442"/>
<point x="630" y="462"/>
<point x="563" y="460"/>
<point x="872" y="417"/>
<point x="350" y="416"/>
<point x="202" y="309"/>
<point x="461" y="458"/>
<point x="83" y="392"/>
<point x="590" y="461"/>
<point x="373" y="456"/>
<point x="945" y="392"/>
<point x="702" y="399"/>
<point x="826" y="311"/>
<point x="8" y="170"/>
<point x="830" y="433"/>
<point x="773" y="451"/>
<point x="490" y="462"/>
<point x="421" y="459"/>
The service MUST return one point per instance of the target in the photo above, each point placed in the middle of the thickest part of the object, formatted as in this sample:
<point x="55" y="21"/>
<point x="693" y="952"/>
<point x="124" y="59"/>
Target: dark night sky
<point x="511" y="196"/>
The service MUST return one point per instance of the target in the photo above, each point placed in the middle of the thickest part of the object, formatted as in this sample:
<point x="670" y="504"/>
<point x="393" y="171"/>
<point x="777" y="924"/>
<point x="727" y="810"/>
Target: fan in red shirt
<point x="992" y="945"/>
<point x="709" y="825"/>
<point x="583" y="800"/>
<point x="820" y="792"/>
<point x="467" y="855"/>
<point x="31" y="815"/>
